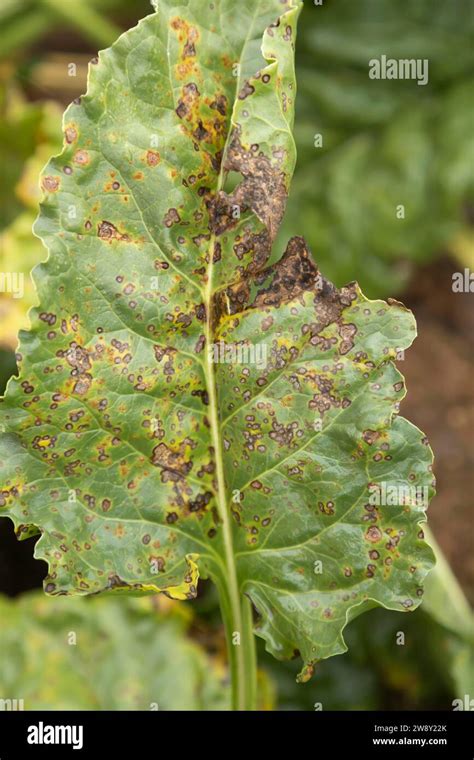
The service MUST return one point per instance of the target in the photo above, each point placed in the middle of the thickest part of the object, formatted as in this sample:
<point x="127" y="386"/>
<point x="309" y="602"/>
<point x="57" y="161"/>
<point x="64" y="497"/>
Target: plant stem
<point x="240" y="648"/>
<point x="236" y="609"/>
<point x="250" y="654"/>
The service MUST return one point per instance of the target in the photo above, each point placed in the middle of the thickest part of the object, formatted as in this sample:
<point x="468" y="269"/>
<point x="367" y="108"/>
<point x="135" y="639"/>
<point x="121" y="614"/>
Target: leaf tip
<point x="307" y="672"/>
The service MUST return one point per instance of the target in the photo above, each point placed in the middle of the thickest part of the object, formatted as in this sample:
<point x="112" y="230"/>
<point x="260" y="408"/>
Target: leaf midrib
<point x="233" y="587"/>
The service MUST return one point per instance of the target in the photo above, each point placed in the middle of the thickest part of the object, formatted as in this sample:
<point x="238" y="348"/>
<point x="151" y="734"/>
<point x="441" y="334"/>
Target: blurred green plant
<point x="29" y="132"/>
<point x="105" y="654"/>
<point x="24" y="129"/>
<point x="24" y="22"/>
<point x="446" y="604"/>
<point x="385" y="143"/>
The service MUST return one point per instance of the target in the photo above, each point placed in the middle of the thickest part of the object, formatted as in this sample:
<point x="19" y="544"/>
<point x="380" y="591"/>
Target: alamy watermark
<point x="399" y="68"/>
<point x="463" y="282"/>
<point x="466" y="703"/>
<point x="239" y="353"/>
<point x="12" y="282"/>
<point x="52" y="734"/>
<point x="11" y="705"/>
<point x="398" y="495"/>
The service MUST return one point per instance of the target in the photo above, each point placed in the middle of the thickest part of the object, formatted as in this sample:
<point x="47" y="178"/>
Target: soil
<point x="439" y="372"/>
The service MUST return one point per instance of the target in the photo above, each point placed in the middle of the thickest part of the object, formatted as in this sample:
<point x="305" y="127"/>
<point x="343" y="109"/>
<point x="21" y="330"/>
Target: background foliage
<point x="385" y="142"/>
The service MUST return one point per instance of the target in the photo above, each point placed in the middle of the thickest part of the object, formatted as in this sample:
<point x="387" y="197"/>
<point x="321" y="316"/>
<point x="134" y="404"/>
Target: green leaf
<point x="377" y="673"/>
<point x="104" y="654"/>
<point x="446" y="603"/>
<point x="445" y="600"/>
<point x="185" y="408"/>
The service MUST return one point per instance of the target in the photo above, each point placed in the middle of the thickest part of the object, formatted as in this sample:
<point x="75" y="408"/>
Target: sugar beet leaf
<point x="185" y="407"/>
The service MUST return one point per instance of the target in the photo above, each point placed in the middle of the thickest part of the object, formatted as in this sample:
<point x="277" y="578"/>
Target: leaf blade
<point x="127" y="437"/>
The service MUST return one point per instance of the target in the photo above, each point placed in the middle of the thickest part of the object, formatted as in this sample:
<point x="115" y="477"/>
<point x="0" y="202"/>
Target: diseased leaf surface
<point x="142" y="460"/>
<point x="307" y="441"/>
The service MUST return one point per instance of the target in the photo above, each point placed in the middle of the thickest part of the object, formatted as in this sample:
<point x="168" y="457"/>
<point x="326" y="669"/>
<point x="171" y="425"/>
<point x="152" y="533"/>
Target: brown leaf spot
<point x="188" y="100"/>
<point x="171" y="461"/>
<point x="373" y="534"/>
<point x="70" y="135"/>
<point x="108" y="231"/>
<point x="50" y="184"/>
<point x="171" y="217"/>
<point x="220" y="104"/>
<point x="370" y="436"/>
<point x="82" y="158"/>
<point x="152" y="158"/>
<point x="246" y="90"/>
